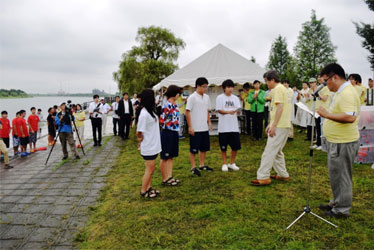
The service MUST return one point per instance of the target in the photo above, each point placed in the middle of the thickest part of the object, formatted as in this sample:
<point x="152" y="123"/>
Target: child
<point x="198" y="119"/>
<point x="33" y="122"/>
<point x="40" y="115"/>
<point x="4" y="132"/>
<point x="51" y="126"/>
<point x="148" y="135"/>
<point x="23" y="133"/>
<point x="80" y="116"/>
<point x="169" y="121"/>
<point x="227" y="106"/>
<point x="3" y="148"/>
<point x="16" y="142"/>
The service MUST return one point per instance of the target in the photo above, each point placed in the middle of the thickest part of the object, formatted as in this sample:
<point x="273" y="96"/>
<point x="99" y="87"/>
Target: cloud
<point x="79" y="43"/>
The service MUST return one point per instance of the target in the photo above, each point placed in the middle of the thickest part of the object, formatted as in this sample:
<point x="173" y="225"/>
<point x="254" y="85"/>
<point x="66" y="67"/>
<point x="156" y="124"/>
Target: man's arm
<point x="278" y="113"/>
<point x="341" y="117"/>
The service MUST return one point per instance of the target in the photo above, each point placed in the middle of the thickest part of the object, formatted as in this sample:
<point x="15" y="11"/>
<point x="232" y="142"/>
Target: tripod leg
<point x="319" y="217"/>
<point x="54" y="143"/>
<point x="298" y="218"/>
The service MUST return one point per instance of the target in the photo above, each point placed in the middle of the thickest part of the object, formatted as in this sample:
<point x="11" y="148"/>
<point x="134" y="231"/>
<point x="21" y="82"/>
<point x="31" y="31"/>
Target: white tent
<point x="217" y="64"/>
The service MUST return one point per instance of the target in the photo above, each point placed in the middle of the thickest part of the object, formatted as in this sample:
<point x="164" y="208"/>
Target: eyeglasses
<point x="325" y="80"/>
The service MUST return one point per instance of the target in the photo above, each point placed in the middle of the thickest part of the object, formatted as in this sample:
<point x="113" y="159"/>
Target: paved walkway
<point x="44" y="206"/>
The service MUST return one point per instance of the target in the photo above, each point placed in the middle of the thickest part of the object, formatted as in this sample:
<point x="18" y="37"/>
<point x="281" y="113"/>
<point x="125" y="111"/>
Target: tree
<point x="151" y="61"/>
<point x="279" y="57"/>
<point x="313" y="49"/>
<point x="366" y="31"/>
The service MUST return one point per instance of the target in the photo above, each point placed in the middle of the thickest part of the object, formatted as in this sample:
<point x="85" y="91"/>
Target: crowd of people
<point x="160" y="122"/>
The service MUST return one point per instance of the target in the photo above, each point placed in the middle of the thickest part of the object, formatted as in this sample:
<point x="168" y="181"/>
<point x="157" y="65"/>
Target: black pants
<point x="248" y="117"/>
<point x="266" y="116"/>
<point x="96" y="128"/>
<point x="115" y="123"/>
<point x="318" y="130"/>
<point x="124" y="126"/>
<point x="257" y="124"/>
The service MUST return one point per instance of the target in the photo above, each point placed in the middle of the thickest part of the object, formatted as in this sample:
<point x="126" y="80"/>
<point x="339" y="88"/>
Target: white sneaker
<point x="225" y="168"/>
<point x="315" y="146"/>
<point x="233" y="167"/>
<point x="319" y="148"/>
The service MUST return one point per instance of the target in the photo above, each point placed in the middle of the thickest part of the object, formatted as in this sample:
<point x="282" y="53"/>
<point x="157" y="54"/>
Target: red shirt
<point x="4" y="132"/>
<point x="14" y="126"/>
<point x="21" y="123"/>
<point x="33" y="122"/>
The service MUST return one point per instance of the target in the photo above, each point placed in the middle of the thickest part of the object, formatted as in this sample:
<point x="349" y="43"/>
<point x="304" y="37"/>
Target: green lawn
<point x="222" y="210"/>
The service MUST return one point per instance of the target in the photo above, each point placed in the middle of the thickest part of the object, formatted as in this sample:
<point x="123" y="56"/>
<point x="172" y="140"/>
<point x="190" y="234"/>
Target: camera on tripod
<point x="68" y="106"/>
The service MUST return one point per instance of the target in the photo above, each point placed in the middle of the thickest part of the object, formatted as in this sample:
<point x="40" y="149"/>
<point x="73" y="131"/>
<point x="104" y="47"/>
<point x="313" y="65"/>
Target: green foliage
<point x="279" y="58"/>
<point x="222" y="210"/>
<point x="4" y="93"/>
<point x="314" y="48"/>
<point x="366" y="31"/>
<point x="151" y="61"/>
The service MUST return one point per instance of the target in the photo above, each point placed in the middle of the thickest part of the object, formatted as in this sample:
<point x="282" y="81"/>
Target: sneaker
<point x="225" y="168"/>
<point x="319" y="148"/>
<point x="8" y="166"/>
<point x="325" y="207"/>
<point x="315" y="147"/>
<point x="233" y="167"/>
<point x="195" y="171"/>
<point x="64" y="158"/>
<point x="206" y="168"/>
<point x="27" y="153"/>
<point x="24" y="154"/>
<point x="77" y="157"/>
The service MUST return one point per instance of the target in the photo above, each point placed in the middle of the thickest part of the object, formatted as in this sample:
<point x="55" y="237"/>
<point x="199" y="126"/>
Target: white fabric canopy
<point x="217" y="64"/>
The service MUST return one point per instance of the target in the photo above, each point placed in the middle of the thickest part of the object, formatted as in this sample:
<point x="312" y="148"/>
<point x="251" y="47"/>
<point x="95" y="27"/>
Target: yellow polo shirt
<point x="247" y="105"/>
<point x="363" y="96"/>
<point x="324" y="91"/>
<point x="345" y="100"/>
<point x="280" y="95"/>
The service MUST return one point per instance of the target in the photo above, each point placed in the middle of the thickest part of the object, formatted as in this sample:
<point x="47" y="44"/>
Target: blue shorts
<point x="16" y="141"/>
<point x="149" y="157"/>
<point x="231" y="139"/>
<point x="199" y="142"/>
<point x="169" y="144"/>
<point x="33" y="137"/>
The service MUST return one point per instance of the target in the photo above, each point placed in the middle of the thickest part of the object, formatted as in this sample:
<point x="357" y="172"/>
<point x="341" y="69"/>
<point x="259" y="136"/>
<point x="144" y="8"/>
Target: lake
<point x="12" y="106"/>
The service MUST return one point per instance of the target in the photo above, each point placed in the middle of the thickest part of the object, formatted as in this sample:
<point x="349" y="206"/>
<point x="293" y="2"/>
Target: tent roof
<point x="217" y="64"/>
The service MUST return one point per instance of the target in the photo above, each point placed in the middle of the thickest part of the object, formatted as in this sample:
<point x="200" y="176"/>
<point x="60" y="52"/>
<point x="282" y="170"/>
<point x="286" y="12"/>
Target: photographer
<point x="96" y="109"/>
<point x="63" y="122"/>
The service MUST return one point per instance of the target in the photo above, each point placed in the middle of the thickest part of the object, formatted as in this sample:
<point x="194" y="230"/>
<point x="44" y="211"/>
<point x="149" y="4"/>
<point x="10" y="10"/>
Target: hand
<point x="323" y="112"/>
<point x="255" y="95"/>
<point x="191" y="131"/>
<point x="232" y="112"/>
<point x="271" y="131"/>
<point x="210" y="127"/>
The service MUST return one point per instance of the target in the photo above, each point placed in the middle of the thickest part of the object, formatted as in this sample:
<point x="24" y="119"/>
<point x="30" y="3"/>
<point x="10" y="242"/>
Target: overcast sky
<point x="78" y="44"/>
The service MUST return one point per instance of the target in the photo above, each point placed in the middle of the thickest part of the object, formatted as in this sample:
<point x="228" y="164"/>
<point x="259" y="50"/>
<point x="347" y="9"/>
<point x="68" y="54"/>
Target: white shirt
<point x="198" y="106"/>
<point x="93" y="106"/>
<point x="151" y="144"/>
<point x="227" y="122"/>
<point x="126" y="106"/>
<point x="106" y="108"/>
<point x="115" y="108"/>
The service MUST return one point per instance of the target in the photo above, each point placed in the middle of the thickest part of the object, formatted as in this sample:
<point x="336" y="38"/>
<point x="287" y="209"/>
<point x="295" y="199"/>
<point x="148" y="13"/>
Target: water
<point x="12" y="106"/>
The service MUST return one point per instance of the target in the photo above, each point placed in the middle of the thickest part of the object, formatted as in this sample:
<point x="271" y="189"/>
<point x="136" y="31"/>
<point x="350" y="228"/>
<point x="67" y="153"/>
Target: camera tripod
<point x="58" y="134"/>
<point x="307" y="209"/>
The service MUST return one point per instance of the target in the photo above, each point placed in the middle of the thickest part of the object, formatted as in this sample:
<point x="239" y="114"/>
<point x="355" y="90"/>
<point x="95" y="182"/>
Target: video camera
<point x="68" y="106"/>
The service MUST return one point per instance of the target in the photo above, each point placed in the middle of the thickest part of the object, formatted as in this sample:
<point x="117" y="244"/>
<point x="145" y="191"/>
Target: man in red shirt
<point x="33" y="122"/>
<point x="5" y="130"/>
<point x="15" y="135"/>
<point x="23" y="132"/>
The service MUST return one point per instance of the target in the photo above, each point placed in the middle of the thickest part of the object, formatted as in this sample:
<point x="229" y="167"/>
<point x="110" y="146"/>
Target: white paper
<point x="305" y="108"/>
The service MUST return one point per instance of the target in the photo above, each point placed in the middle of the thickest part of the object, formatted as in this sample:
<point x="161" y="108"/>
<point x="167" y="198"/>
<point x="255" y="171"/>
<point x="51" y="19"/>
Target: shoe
<point x="99" y="145"/>
<point x="8" y="166"/>
<point x="325" y="207"/>
<point x="335" y="215"/>
<point x="205" y="168"/>
<point x="225" y="168"/>
<point x="315" y="146"/>
<point x="319" y="148"/>
<point x="77" y="157"/>
<point x="290" y="139"/>
<point x="32" y="150"/>
<point x="261" y="182"/>
<point x="24" y="154"/>
<point x="195" y="171"/>
<point x="27" y="153"/>
<point x="64" y="158"/>
<point x="95" y="144"/>
<point x="233" y="167"/>
<point x="280" y="178"/>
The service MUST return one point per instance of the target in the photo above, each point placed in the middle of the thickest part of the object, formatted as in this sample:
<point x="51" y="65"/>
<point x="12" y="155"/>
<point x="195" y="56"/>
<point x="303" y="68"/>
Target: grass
<point x="222" y="210"/>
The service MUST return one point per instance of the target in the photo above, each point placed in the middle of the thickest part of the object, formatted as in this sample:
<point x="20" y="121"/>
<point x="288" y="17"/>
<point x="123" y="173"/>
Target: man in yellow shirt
<point x="277" y="130"/>
<point x="355" y="80"/>
<point x="341" y="131"/>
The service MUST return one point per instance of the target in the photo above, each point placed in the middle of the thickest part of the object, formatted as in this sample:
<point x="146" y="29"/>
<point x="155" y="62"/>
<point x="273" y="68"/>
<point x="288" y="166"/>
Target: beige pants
<point x="80" y="131"/>
<point x="290" y="134"/>
<point x="4" y="150"/>
<point x="67" y="138"/>
<point x="273" y="156"/>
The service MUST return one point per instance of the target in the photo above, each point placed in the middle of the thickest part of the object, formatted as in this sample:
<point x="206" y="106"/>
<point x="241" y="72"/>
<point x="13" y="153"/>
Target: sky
<point x="75" y="45"/>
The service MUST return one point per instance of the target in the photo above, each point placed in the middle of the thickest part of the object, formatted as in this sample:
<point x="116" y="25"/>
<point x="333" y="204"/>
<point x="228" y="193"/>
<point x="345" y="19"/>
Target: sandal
<point x="148" y="194"/>
<point x="170" y="182"/>
<point x="153" y="191"/>
<point x="176" y="180"/>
